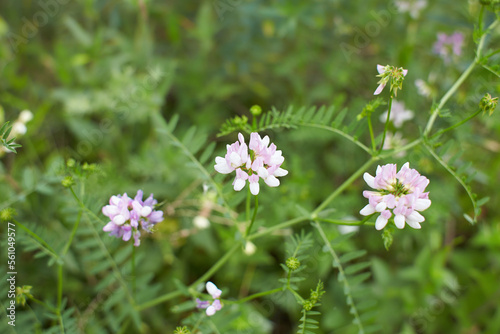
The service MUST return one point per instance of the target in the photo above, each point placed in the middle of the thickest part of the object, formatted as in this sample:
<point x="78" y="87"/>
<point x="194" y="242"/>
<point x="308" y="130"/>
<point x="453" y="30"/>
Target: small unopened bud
<point x="68" y="182"/>
<point x="7" y="214"/>
<point x="250" y="248"/>
<point x="25" y="116"/>
<point x="488" y="104"/>
<point x="292" y="263"/>
<point x="201" y="222"/>
<point x="182" y="330"/>
<point x="71" y="163"/>
<point x="256" y="110"/>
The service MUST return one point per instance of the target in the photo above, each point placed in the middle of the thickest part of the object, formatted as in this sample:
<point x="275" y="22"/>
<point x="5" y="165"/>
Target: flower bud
<point x="292" y="263"/>
<point x="7" y="214"/>
<point x="256" y="110"/>
<point x="488" y="104"/>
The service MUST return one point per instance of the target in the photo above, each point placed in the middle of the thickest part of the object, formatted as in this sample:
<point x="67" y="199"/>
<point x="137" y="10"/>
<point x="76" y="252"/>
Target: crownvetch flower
<point x="448" y="46"/>
<point x="263" y="161"/>
<point x="127" y="215"/>
<point x="396" y="193"/>
<point x="216" y="305"/>
<point x="390" y="73"/>
<point x="399" y="114"/>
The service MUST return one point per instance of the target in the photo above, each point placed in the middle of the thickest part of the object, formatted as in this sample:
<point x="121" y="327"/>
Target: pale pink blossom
<point x="448" y="46"/>
<point x="128" y="215"/>
<point x="399" y="114"/>
<point x="262" y="162"/>
<point x="396" y="193"/>
<point x="216" y="305"/>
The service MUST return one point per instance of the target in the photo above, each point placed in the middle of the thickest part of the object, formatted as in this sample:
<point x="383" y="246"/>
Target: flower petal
<point x="399" y="220"/>
<point x="370" y="180"/>
<point x="367" y="210"/>
<point x="380" y="222"/>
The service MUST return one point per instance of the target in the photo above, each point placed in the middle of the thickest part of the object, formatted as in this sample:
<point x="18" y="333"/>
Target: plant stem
<point x="386" y="124"/>
<point x="44" y="245"/>
<point x="133" y="271"/>
<point x="271" y="229"/>
<point x="73" y="232"/>
<point x="347" y="222"/>
<point x="59" y="287"/>
<point x="254" y="296"/>
<point x="342" y="275"/>
<point x="447" y="96"/>
<point x="460" y="80"/>
<point x="203" y="278"/>
<point x="344" y="185"/>
<point x="249" y="228"/>
<point x="440" y="132"/>
<point x="372" y="138"/>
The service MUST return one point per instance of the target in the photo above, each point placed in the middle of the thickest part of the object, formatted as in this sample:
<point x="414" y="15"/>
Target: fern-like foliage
<point x="462" y="171"/>
<point x="352" y="275"/>
<point x="193" y="146"/>
<point x="296" y="251"/>
<point x="326" y="118"/>
<point x="306" y="322"/>
<point x="4" y="138"/>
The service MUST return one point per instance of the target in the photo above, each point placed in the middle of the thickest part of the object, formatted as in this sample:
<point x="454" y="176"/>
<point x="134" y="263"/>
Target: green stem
<point x="440" y="132"/>
<point x="296" y="294"/>
<point x="343" y="134"/>
<point x="447" y="96"/>
<point x="400" y="149"/>
<point x="347" y="222"/>
<point x="249" y="197"/>
<point x="460" y="80"/>
<point x="386" y="124"/>
<point x="249" y="228"/>
<point x="44" y="245"/>
<point x="203" y="278"/>
<point x="372" y="138"/>
<point x="254" y="296"/>
<point x="344" y="185"/>
<point x="133" y="270"/>
<point x="271" y="229"/>
<point x="50" y="308"/>
<point x="73" y="232"/>
<point x="342" y="274"/>
<point x="59" y="287"/>
<point x="103" y="247"/>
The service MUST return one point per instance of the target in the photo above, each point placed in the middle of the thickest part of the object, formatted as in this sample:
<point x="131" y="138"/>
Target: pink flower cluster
<point x="447" y="46"/>
<point x="127" y="214"/>
<point x="263" y="161"/>
<point x="216" y="305"/>
<point x="399" y="193"/>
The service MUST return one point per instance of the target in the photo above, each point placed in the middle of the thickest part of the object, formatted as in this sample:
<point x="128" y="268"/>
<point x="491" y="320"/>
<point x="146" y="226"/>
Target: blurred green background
<point x="94" y="72"/>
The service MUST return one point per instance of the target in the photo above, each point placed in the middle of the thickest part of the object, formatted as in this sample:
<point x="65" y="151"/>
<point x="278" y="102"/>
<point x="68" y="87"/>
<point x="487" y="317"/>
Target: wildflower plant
<point x="329" y="229"/>
<point x="259" y="160"/>
<point x="128" y="216"/>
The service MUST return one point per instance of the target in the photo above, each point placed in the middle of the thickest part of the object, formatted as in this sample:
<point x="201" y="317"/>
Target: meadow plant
<point x="308" y="239"/>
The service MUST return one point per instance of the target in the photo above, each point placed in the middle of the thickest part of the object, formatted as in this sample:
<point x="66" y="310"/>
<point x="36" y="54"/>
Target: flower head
<point x="262" y="162"/>
<point x="394" y="141"/>
<point x="413" y="7"/>
<point x="398" y="114"/>
<point x="128" y="215"/>
<point x="399" y="193"/>
<point x="393" y="74"/>
<point x="216" y="305"/>
<point x="448" y="46"/>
